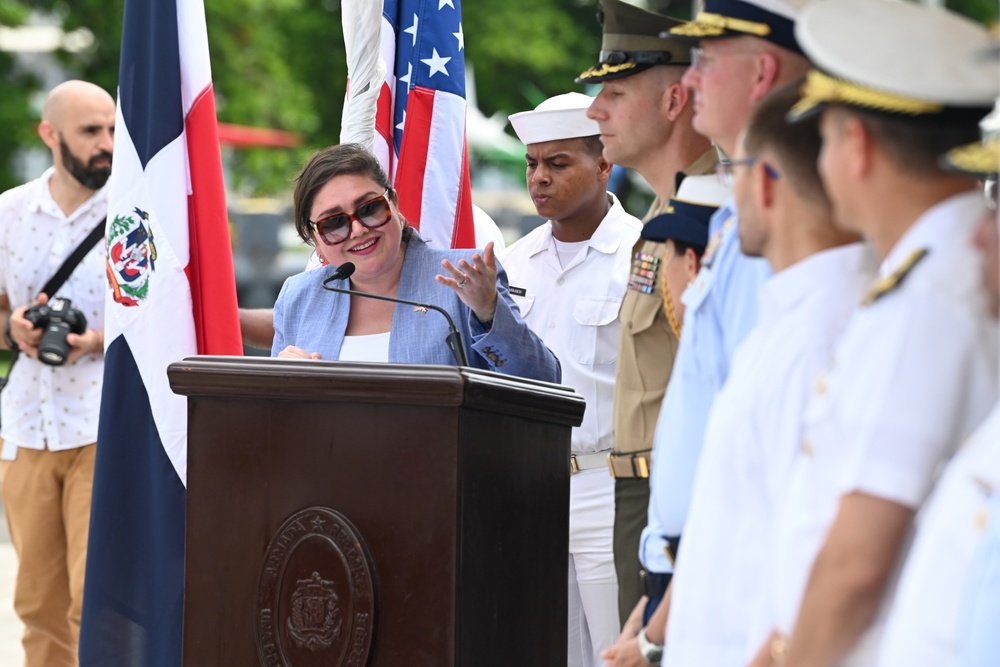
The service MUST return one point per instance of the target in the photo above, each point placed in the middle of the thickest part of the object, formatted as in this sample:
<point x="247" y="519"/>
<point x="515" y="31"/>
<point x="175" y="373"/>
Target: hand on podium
<point x="292" y="352"/>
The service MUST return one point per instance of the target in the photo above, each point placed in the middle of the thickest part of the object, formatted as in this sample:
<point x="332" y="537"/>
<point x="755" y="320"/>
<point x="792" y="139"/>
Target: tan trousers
<point x="46" y="496"/>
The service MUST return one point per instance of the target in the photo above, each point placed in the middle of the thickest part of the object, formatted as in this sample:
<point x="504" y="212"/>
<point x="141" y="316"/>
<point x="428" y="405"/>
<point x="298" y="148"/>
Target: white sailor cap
<point x="560" y="117"/>
<point x="896" y="58"/>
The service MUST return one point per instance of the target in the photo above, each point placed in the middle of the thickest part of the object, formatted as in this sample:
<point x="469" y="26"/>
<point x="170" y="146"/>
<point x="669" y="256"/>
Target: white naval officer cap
<point x="702" y="191"/>
<point x="895" y="58"/>
<point x="981" y="159"/>
<point x="560" y="117"/>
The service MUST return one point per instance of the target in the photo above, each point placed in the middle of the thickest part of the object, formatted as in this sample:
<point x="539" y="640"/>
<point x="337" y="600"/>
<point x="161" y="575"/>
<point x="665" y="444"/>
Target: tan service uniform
<point x="646" y="354"/>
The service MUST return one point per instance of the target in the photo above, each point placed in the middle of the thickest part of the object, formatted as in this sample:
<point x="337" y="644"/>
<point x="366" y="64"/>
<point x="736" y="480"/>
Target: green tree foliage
<point x="984" y="11"/>
<point x="525" y="50"/>
<point x="257" y="47"/>
<point x="19" y="105"/>
<point x="281" y="64"/>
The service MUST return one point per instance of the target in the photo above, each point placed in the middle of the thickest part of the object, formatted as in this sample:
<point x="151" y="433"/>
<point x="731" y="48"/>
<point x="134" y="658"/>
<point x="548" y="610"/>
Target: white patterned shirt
<point x="53" y="407"/>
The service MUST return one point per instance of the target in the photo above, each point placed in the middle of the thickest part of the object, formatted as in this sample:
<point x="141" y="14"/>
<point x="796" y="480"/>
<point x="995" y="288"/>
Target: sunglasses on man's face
<point x="372" y="214"/>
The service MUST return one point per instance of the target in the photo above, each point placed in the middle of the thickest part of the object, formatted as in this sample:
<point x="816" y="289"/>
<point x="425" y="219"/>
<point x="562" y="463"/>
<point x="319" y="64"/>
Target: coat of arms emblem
<point x="131" y="257"/>
<point x="315" y="620"/>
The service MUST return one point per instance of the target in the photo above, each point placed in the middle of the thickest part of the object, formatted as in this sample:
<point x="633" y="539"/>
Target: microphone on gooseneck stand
<point x="454" y="339"/>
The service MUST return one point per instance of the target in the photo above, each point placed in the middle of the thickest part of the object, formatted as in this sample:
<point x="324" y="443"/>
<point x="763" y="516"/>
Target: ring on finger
<point x="462" y="282"/>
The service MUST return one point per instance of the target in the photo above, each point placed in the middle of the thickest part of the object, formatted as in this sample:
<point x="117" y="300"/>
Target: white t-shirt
<point x="371" y="347"/>
<point x="568" y="251"/>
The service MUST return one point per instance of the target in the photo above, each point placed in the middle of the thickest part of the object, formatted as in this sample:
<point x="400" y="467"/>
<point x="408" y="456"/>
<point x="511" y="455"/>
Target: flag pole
<point x="366" y="69"/>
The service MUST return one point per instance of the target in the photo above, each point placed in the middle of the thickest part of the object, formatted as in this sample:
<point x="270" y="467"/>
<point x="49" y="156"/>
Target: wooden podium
<point x="348" y="514"/>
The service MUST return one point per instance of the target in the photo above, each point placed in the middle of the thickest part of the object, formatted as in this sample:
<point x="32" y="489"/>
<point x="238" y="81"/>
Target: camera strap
<point x="56" y="282"/>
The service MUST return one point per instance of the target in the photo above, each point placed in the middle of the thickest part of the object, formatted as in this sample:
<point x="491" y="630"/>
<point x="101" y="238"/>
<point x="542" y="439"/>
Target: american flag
<point x="172" y="294"/>
<point x="420" y="123"/>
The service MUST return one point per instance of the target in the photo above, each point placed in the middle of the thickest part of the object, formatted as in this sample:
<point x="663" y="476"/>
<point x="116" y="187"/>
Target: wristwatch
<point x="651" y="653"/>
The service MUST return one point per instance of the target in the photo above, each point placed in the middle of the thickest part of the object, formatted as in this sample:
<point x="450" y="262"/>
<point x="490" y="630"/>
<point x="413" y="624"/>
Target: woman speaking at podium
<point x="345" y="207"/>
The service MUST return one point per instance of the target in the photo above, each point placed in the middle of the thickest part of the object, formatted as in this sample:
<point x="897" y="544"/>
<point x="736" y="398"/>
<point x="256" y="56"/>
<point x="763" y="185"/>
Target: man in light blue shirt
<point x="731" y="70"/>
<point x="720" y="307"/>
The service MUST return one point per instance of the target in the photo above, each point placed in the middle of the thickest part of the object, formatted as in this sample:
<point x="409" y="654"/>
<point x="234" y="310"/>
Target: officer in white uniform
<point x="938" y="595"/>
<point x="737" y="41"/>
<point x="755" y="425"/>
<point x="979" y="641"/>
<point x="568" y="278"/>
<point x="915" y="372"/>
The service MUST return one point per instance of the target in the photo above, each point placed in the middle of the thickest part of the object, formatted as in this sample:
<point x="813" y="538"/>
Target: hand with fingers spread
<point x="475" y="283"/>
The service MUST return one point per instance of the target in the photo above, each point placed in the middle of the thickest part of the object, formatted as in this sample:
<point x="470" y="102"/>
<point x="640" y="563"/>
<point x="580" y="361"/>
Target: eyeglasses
<point x="697" y="58"/>
<point x="372" y="214"/>
<point x="990" y="193"/>
<point x="727" y="174"/>
<point x="700" y="60"/>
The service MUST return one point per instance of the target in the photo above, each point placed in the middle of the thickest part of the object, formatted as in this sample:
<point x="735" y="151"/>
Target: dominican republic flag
<point x="420" y="125"/>
<point x="171" y="294"/>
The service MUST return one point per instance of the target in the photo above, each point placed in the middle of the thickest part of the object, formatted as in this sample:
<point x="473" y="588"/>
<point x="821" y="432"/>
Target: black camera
<point x="59" y="318"/>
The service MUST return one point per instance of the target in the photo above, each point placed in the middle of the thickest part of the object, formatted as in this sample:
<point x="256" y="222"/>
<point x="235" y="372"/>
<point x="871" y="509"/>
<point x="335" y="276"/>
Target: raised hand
<point x="475" y="283"/>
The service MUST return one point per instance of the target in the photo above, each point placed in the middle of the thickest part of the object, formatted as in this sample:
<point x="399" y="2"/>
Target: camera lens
<point x="53" y="348"/>
<point x="62" y="320"/>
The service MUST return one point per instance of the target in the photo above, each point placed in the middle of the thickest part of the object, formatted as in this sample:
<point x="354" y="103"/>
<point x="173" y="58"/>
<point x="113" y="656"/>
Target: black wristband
<point x="6" y="335"/>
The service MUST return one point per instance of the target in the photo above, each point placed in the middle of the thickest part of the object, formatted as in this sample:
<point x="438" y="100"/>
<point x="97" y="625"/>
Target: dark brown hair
<point x="916" y="144"/>
<point x="795" y="145"/>
<point x="339" y="160"/>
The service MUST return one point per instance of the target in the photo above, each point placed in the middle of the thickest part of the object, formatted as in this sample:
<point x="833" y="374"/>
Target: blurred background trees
<point x="281" y="64"/>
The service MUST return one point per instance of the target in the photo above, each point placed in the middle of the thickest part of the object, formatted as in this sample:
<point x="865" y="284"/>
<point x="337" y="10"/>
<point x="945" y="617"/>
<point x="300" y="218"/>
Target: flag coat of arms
<point x="171" y="294"/>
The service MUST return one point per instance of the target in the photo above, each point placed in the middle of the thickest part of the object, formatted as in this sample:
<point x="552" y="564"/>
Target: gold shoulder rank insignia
<point x="885" y="285"/>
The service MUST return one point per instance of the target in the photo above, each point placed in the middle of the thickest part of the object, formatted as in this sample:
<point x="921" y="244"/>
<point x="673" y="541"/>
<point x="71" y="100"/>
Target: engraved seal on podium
<point x="316" y="597"/>
<point x="315" y="620"/>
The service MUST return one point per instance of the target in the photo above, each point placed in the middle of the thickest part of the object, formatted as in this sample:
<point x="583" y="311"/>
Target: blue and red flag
<point x="171" y="294"/>
<point x="420" y="124"/>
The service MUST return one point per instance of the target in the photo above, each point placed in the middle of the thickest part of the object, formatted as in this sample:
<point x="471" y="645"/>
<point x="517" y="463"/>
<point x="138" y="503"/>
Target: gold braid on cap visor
<point x="712" y="25"/>
<point x="976" y="159"/>
<point x="820" y="88"/>
<point x="606" y="69"/>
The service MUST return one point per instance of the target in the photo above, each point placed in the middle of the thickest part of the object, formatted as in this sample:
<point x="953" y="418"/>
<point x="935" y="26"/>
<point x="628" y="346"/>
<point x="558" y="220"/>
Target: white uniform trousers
<point x="593" y="585"/>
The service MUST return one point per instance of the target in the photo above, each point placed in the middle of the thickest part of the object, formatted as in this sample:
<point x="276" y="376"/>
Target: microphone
<point x="343" y="272"/>
<point x="454" y="338"/>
